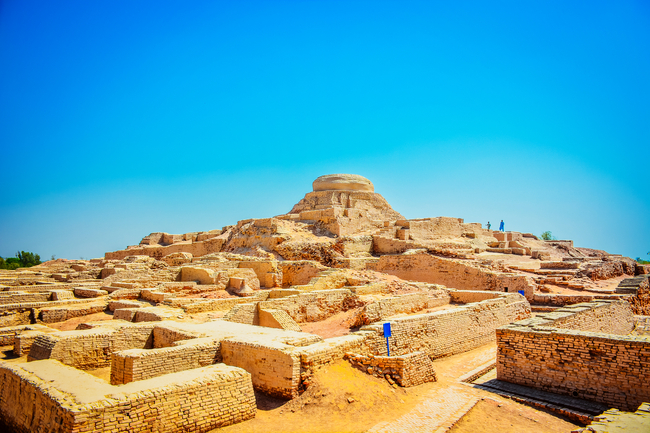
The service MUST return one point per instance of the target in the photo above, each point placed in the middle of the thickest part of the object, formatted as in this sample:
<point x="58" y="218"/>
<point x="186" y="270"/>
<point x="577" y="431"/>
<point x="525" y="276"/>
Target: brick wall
<point x="407" y="370"/>
<point x="458" y="274"/>
<point x="447" y="332"/>
<point x="314" y="306"/>
<point x="409" y="303"/>
<point x="606" y="368"/>
<point x="199" y="400"/>
<point x="275" y="367"/>
<point x="140" y="364"/>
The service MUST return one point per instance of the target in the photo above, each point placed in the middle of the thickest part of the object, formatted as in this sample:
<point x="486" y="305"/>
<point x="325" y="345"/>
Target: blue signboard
<point x="387" y="334"/>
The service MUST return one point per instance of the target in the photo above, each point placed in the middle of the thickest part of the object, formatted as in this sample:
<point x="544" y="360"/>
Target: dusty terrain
<point x="344" y="399"/>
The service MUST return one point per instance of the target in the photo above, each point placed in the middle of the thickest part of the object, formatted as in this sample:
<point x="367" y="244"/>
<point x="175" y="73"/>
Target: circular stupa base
<point x="344" y="182"/>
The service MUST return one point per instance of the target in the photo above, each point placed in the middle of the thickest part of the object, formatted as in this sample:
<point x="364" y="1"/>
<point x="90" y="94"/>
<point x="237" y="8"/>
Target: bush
<point x="548" y="236"/>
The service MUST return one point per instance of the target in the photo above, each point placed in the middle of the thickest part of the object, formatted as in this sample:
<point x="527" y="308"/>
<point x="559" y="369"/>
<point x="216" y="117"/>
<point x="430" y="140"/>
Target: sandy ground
<point x="343" y="399"/>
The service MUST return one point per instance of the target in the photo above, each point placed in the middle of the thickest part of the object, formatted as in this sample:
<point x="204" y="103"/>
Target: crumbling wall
<point x="33" y="398"/>
<point x="451" y="273"/>
<point x="299" y="272"/>
<point x="447" y="332"/>
<point x="408" y="303"/>
<point x="314" y="306"/>
<point x="407" y="370"/>
<point x="596" y="366"/>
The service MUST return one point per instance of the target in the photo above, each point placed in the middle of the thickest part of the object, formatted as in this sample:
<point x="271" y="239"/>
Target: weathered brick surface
<point x="437" y="334"/>
<point x="407" y="370"/>
<point x="458" y="274"/>
<point x="275" y="367"/>
<point x="138" y="364"/>
<point x="314" y="306"/>
<point x="199" y="400"/>
<point x="408" y="303"/>
<point x="598" y="366"/>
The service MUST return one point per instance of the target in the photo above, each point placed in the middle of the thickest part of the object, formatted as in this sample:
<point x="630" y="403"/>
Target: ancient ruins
<point x="187" y="332"/>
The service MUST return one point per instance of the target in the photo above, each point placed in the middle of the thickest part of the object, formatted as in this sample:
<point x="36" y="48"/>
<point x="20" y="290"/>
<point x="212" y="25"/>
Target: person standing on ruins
<point x="502" y="226"/>
<point x="489" y="225"/>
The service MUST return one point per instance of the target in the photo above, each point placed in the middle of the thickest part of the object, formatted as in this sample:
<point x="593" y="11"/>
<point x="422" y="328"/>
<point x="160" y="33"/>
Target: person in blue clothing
<point x="502" y="226"/>
<point x="489" y="225"/>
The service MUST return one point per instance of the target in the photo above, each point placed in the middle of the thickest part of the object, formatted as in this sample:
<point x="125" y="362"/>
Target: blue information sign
<point x="387" y="334"/>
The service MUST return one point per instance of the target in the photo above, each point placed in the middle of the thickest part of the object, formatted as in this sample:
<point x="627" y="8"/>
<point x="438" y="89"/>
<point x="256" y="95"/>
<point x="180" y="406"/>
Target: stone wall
<point x="447" y="332"/>
<point x="596" y="366"/>
<point x="458" y="274"/>
<point x="44" y="396"/>
<point x="407" y="370"/>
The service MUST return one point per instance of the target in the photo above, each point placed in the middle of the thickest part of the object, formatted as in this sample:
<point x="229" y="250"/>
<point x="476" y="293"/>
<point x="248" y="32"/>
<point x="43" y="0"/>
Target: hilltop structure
<point x="198" y="321"/>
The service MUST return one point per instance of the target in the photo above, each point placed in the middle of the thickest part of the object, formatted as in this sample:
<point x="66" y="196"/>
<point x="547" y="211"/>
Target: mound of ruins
<point x="190" y="332"/>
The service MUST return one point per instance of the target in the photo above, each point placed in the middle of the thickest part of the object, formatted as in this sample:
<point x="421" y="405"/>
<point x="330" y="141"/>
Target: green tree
<point x="547" y="236"/>
<point x="23" y="259"/>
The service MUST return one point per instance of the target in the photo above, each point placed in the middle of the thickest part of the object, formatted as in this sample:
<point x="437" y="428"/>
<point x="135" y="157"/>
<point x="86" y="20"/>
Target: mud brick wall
<point x="138" y="364"/>
<point x="243" y="313"/>
<point x="600" y="367"/>
<point x="60" y="314"/>
<point x="409" y="303"/>
<point x="331" y="350"/>
<point x="452" y="273"/>
<point x="277" y="319"/>
<point x="127" y="314"/>
<point x="198" y="401"/>
<point x="447" y="332"/>
<point x="15" y="318"/>
<point x="613" y="317"/>
<point x="7" y="334"/>
<point x="24" y="340"/>
<point x="89" y="293"/>
<point x="558" y="300"/>
<point x="299" y="272"/>
<point x="116" y="305"/>
<point x="85" y="350"/>
<point x="201" y="306"/>
<point x="274" y="367"/>
<point x="606" y="368"/>
<point x="166" y="336"/>
<point x="90" y="348"/>
<point x="19" y="298"/>
<point x="470" y="296"/>
<point x="314" y="306"/>
<point x="125" y="294"/>
<point x="642" y="325"/>
<point x="407" y="370"/>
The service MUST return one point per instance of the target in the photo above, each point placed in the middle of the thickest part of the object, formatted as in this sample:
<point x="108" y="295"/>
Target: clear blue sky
<point x="121" y="118"/>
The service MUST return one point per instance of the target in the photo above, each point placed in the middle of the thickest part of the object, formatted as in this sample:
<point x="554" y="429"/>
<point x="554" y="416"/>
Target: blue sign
<point x="521" y="292"/>
<point x="386" y="330"/>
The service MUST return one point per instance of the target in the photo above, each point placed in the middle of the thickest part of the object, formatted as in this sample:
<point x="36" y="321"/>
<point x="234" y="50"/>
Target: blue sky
<point x="121" y="118"/>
